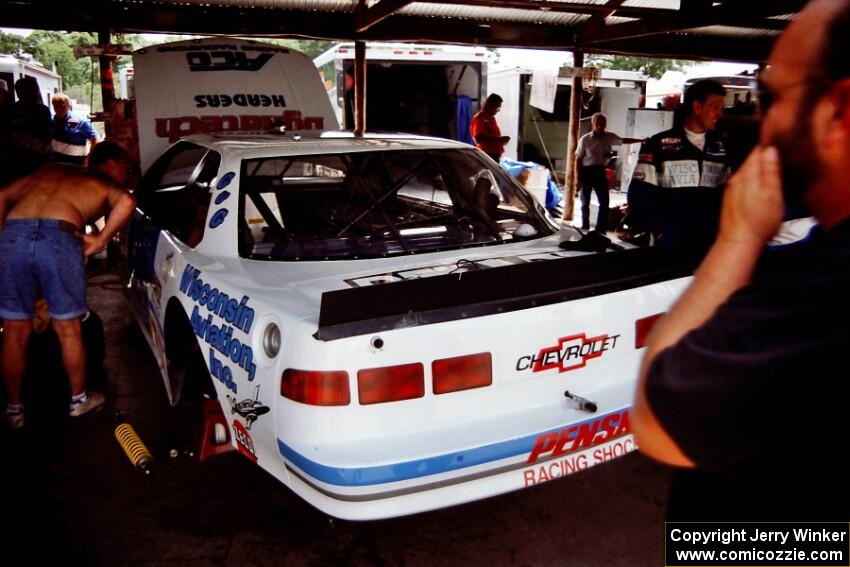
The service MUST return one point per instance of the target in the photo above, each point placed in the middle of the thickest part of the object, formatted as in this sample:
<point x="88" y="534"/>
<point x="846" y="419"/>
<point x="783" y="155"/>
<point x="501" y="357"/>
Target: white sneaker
<point x="94" y="401"/>
<point x="15" y="420"/>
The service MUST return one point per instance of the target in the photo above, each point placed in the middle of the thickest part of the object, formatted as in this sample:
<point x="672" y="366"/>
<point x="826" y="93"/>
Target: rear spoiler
<point x="425" y="301"/>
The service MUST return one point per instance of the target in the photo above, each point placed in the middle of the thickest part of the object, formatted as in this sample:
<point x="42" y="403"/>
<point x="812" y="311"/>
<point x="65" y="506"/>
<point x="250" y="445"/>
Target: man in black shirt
<point x="677" y="185"/>
<point x="743" y="381"/>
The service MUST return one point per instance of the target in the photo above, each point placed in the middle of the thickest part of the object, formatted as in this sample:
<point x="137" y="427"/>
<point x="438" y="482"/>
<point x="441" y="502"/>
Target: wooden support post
<point x="571" y="181"/>
<point x="107" y="84"/>
<point x="359" y="87"/>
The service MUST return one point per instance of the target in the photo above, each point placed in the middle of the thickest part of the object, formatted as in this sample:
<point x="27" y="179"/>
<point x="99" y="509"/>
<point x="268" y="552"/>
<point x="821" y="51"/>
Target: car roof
<point x="332" y="141"/>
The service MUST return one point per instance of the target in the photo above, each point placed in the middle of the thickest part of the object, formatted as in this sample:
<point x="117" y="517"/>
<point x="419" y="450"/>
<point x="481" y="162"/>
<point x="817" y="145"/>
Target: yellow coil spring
<point x="133" y="447"/>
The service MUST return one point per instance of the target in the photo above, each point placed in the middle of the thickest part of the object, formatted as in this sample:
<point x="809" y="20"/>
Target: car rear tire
<point x="189" y="380"/>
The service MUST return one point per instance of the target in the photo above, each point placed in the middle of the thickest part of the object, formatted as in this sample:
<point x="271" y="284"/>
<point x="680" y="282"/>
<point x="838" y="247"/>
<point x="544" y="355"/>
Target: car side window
<point x="175" y="193"/>
<point x="198" y="193"/>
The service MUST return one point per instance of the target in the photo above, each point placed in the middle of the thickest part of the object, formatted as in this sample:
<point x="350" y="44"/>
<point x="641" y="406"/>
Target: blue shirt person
<point x="71" y="135"/>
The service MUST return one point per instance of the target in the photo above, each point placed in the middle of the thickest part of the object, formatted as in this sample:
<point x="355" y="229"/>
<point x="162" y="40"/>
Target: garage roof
<point x="699" y="29"/>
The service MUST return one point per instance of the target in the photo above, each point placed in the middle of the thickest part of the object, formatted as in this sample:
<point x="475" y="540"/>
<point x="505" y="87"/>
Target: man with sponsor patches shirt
<point x="743" y="384"/>
<point x="676" y="188"/>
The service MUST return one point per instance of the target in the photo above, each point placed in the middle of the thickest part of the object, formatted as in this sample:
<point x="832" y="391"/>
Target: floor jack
<point x="216" y="440"/>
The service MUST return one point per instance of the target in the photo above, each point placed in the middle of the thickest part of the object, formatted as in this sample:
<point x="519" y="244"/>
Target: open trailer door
<point x="224" y="85"/>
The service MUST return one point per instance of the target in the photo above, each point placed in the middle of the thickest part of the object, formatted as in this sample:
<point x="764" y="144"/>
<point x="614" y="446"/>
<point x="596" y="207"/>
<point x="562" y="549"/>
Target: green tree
<point x="14" y="44"/>
<point x="653" y="68"/>
<point x="56" y="49"/>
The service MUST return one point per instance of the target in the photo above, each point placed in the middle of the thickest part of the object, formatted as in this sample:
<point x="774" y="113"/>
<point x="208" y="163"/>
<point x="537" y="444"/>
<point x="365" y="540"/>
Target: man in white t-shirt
<point x="592" y="154"/>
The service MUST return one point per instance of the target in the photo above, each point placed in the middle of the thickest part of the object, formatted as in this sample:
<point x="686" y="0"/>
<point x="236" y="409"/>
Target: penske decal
<point x="576" y="462"/>
<point x="580" y="436"/>
<point x="571" y="353"/>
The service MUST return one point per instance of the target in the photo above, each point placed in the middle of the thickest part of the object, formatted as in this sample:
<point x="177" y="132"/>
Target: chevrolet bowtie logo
<point x="571" y="353"/>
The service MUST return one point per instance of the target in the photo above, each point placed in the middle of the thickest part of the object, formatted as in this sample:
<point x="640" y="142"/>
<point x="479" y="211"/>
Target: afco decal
<point x="226" y="61"/>
<point x="570" y="353"/>
<point x="250" y="409"/>
<point x="243" y="441"/>
<point x="231" y="315"/>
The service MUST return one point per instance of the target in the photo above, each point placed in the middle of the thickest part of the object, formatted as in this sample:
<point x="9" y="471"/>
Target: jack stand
<point x="216" y="440"/>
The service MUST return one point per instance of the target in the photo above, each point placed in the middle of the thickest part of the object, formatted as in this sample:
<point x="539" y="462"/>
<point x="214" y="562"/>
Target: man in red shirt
<point x="485" y="131"/>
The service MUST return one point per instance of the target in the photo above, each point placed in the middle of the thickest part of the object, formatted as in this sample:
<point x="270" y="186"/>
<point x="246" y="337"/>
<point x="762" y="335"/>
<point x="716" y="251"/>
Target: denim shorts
<point x="41" y="257"/>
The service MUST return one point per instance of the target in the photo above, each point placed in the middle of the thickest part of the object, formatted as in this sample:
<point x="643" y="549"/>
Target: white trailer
<point x="12" y="69"/>
<point x="536" y="134"/>
<point x="409" y="88"/>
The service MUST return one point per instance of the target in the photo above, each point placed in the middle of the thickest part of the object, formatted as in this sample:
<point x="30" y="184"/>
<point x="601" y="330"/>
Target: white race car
<point x="388" y="321"/>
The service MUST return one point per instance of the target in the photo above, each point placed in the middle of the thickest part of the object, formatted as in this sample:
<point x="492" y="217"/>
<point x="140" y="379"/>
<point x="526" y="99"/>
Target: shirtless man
<point x="42" y="248"/>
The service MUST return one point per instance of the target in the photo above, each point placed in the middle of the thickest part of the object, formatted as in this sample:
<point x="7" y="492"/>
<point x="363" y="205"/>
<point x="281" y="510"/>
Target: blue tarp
<point x="463" y="118"/>
<point x="554" y="195"/>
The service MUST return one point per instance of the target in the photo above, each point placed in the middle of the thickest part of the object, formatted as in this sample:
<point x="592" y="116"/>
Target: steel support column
<point x="359" y="87"/>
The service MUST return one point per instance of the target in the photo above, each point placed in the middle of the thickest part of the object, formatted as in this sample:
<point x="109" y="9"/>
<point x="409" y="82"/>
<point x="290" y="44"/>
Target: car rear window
<point x="380" y="203"/>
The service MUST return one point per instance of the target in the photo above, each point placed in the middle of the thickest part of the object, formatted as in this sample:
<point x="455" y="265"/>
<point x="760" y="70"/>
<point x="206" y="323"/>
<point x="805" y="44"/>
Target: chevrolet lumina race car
<point x="388" y="322"/>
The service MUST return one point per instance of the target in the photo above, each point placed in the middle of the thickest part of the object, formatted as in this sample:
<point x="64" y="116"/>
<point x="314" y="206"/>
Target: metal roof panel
<point x="660" y="4"/>
<point x="308" y="5"/>
<point x="492" y="14"/>
<point x="728" y="31"/>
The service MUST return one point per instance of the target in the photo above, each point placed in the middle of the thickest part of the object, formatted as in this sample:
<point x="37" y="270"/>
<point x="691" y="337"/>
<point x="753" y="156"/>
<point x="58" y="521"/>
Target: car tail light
<point x="462" y="372"/>
<point x="316" y="388"/>
<point x="643" y="327"/>
<point x="391" y="383"/>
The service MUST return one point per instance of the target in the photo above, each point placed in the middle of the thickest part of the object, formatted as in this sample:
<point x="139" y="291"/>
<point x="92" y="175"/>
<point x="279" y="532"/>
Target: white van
<point x="12" y="69"/>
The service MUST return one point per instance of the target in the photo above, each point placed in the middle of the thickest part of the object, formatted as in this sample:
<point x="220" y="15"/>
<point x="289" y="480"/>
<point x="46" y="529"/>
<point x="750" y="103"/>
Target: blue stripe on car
<point x="380" y="474"/>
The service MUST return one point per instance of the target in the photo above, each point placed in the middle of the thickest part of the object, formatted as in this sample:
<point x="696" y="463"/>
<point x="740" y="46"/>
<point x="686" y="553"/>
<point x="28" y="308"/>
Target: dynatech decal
<point x="249" y="409"/>
<point x="243" y="441"/>
<point x="220" y="306"/>
<point x="173" y="127"/>
<point x="570" y="353"/>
